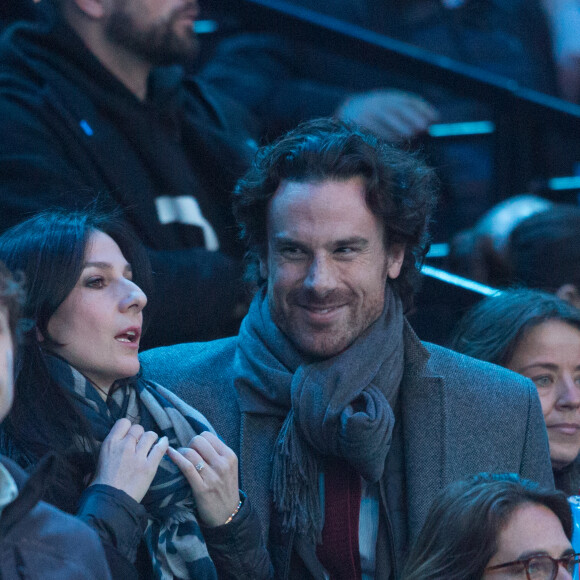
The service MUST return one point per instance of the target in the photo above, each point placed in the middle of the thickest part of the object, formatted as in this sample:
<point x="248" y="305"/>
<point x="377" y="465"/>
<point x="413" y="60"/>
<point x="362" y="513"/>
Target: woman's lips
<point x="565" y="428"/>
<point x="129" y="336"/>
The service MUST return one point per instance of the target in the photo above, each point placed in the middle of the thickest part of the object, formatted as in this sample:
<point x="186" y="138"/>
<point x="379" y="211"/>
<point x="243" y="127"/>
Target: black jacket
<point x="71" y="132"/>
<point x="39" y="541"/>
<point x="237" y="548"/>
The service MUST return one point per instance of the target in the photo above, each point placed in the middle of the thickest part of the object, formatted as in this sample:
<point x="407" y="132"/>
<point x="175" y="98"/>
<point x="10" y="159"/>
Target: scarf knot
<point x="340" y="407"/>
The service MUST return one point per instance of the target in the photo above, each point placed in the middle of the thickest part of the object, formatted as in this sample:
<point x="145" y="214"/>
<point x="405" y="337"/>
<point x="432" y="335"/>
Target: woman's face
<point x="549" y="354"/>
<point x="99" y="324"/>
<point x="6" y="360"/>
<point x="531" y="530"/>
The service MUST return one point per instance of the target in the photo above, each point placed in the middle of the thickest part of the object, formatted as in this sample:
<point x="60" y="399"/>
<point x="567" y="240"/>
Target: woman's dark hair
<point x="400" y="189"/>
<point x="492" y="329"/>
<point x="460" y="534"/>
<point x="49" y="249"/>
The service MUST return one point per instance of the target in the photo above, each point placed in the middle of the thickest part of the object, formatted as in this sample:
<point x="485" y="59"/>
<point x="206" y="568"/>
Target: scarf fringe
<point x="295" y="476"/>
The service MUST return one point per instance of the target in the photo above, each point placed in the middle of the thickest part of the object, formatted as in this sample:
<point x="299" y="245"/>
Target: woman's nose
<point x="569" y="392"/>
<point x="134" y="298"/>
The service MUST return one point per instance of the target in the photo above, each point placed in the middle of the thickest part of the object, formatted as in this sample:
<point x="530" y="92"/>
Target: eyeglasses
<point x="543" y="567"/>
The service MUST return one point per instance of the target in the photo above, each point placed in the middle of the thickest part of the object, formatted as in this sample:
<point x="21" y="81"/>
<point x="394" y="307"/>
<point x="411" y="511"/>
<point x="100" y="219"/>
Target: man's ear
<point x="569" y="293"/>
<point x="39" y="336"/>
<point x="396" y="256"/>
<point x="92" y="8"/>
<point x="263" y="268"/>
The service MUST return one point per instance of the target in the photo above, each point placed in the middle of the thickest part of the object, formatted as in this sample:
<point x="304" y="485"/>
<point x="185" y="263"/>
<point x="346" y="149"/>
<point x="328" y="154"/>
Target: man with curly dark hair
<point x="346" y="424"/>
<point x="397" y="188"/>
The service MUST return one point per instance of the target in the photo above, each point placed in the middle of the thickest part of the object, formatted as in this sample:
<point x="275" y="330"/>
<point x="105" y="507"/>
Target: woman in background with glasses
<point x="495" y="527"/>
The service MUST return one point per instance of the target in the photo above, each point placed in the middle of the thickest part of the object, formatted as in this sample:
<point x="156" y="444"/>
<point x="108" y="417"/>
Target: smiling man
<point x="345" y="423"/>
<point x="326" y="264"/>
<point x="94" y="102"/>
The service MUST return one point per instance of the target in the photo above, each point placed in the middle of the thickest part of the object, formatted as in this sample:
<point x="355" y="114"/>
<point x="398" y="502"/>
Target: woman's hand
<point x="211" y="468"/>
<point x="129" y="458"/>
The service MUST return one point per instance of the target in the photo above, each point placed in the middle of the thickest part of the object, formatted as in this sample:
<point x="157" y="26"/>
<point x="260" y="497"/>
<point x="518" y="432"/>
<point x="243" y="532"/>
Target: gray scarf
<point x="339" y="407"/>
<point x="173" y="535"/>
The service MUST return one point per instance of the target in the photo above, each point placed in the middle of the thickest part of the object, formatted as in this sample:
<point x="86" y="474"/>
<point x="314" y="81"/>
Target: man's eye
<point x="347" y="252"/>
<point x="291" y="252"/>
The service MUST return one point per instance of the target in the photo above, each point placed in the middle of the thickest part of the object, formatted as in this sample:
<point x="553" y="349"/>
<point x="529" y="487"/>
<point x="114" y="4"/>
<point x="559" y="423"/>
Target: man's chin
<point x="320" y="347"/>
<point x="159" y="47"/>
<point x="182" y="54"/>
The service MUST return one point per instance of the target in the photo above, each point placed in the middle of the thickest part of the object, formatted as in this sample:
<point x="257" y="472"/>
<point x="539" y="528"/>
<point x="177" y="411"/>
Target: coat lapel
<point x="424" y="429"/>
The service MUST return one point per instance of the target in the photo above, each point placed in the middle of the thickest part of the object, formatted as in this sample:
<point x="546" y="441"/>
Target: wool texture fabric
<point x="339" y="407"/>
<point x="339" y="552"/>
<point x="173" y="535"/>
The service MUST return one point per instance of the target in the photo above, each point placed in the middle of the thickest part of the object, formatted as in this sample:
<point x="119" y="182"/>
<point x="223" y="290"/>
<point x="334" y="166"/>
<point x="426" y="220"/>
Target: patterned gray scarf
<point x="173" y="536"/>
<point x="339" y="407"/>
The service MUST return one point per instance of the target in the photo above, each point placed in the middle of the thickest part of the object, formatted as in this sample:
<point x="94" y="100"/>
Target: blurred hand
<point x="390" y="114"/>
<point x="568" y="65"/>
<point x="564" y="18"/>
<point x="129" y="458"/>
<point x="215" y="485"/>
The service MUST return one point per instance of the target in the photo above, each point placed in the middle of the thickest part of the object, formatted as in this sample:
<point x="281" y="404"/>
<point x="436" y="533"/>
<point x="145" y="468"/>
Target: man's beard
<point x="158" y="45"/>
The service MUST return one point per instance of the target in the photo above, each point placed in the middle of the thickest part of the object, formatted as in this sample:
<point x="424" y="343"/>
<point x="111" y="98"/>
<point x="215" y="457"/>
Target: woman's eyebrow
<point x="544" y="365"/>
<point x="102" y="265"/>
<point x="105" y="266"/>
<point x="531" y="554"/>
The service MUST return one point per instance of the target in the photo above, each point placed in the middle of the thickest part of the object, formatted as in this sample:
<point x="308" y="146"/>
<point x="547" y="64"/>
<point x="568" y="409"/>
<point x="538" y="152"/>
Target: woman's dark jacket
<point x="236" y="549"/>
<point x="39" y="541"/>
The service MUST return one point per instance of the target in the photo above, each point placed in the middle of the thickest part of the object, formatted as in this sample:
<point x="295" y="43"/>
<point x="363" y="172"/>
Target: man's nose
<point x="321" y="275"/>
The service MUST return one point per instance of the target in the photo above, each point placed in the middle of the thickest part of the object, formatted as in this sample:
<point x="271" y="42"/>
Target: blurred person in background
<point x="94" y="103"/>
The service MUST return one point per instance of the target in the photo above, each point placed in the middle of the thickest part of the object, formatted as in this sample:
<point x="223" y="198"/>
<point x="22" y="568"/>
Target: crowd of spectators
<point x="139" y="182"/>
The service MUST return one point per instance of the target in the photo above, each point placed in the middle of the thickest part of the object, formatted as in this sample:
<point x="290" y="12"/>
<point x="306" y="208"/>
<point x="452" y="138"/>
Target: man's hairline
<point x="262" y="249"/>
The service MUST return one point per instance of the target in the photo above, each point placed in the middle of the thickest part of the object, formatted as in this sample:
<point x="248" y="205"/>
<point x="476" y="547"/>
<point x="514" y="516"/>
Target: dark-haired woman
<point x="79" y="394"/>
<point x="537" y="335"/>
<point x="495" y="527"/>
